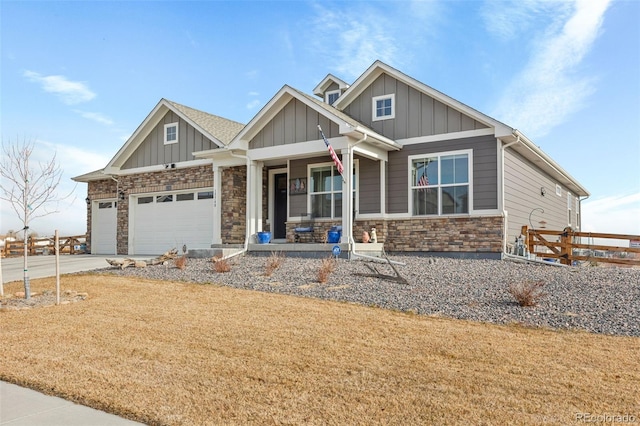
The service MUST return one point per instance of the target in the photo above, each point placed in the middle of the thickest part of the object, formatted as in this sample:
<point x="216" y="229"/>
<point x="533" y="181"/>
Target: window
<point x="164" y="198"/>
<point x="325" y="191"/>
<point x="577" y="213"/>
<point x="145" y="200"/>
<point x="170" y="133"/>
<point x="331" y="96"/>
<point x="105" y="205"/>
<point x="207" y="195"/>
<point x="184" y="197"/>
<point x="569" y="208"/>
<point x="558" y="190"/>
<point x="439" y="183"/>
<point x="384" y="107"/>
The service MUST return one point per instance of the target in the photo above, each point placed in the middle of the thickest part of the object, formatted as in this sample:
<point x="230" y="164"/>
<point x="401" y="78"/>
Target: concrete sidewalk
<point x="45" y="266"/>
<point x="25" y="407"/>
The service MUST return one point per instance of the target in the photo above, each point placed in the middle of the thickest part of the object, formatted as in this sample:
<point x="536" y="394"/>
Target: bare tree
<point x="30" y="190"/>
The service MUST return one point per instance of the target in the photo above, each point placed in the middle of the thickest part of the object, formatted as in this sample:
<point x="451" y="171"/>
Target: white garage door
<point x="171" y="220"/>
<point x="103" y="227"/>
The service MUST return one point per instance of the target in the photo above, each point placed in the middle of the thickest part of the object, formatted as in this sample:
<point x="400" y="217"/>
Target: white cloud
<point x="550" y="87"/>
<point x="70" y="92"/>
<point x="353" y="40"/>
<point x="253" y="104"/>
<point x="96" y="116"/>
<point x="616" y="214"/>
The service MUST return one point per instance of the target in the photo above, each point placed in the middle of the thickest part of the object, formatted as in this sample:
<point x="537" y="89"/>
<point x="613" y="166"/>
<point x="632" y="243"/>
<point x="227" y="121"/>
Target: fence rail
<point x="35" y="246"/>
<point x="569" y="246"/>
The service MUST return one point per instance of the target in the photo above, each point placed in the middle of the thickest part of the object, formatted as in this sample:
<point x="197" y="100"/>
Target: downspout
<point x="505" y="214"/>
<point x="351" y="240"/>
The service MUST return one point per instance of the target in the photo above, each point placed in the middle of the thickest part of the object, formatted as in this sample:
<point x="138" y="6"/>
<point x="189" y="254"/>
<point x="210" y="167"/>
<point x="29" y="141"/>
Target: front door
<point x="280" y="206"/>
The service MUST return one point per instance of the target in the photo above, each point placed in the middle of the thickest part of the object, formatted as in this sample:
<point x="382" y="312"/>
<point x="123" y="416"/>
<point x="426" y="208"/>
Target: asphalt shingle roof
<point x="222" y="129"/>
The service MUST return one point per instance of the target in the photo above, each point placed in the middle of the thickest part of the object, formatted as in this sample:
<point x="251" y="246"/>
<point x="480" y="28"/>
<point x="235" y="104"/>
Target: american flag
<point x="424" y="180"/>
<point x="333" y="154"/>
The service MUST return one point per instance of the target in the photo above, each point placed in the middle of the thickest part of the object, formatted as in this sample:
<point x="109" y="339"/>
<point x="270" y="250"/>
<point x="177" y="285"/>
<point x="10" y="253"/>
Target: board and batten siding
<point x="522" y="194"/>
<point x="485" y="171"/>
<point x="416" y="113"/>
<point x="294" y="123"/>
<point x="152" y="151"/>
<point x="368" y="185"/>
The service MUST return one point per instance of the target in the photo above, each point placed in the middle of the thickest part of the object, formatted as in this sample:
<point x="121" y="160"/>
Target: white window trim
<point x="558" y="190"/>
<point x="356" y="189"/>
<point x="569" y="212"/>
<point x="331" y="92"/>
<point x="166" y="126"/>
<point x="374" y="100"/>
<point x="410" y="185"/>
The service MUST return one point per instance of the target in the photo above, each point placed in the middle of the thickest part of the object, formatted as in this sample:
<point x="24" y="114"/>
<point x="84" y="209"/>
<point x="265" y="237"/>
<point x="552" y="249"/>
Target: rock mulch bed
<point x="594" y="299"/>
<point x="16" y="301"/>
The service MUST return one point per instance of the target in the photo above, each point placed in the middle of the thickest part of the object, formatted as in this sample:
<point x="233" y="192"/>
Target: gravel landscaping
<point x="599" y="299"/>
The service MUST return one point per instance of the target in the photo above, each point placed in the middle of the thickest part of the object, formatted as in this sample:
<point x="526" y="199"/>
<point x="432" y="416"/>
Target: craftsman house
<point x="430" y="173"/>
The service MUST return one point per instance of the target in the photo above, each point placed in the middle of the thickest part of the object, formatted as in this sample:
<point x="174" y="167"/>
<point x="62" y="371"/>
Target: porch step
<point x="218" y="250"/>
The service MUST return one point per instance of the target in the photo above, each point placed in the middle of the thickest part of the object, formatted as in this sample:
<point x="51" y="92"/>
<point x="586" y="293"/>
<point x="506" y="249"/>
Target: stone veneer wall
<point x="234" y="205"/>
<point x="464" y="235"/>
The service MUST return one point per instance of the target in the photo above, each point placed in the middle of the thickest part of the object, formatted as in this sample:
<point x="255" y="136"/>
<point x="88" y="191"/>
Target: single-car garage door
<point x="103" y="227"/>
<point x="170" y="220"/>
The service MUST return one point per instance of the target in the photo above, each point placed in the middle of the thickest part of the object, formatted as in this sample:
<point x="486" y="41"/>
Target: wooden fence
<point x="570" y="246"/>
<point x="35" y="246"/>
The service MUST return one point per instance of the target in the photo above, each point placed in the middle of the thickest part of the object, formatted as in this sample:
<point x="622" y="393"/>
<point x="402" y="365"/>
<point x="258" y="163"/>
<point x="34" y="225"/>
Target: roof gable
<point x="379" y="68"/>
<point x="218" y="130"/>
<point x="324" y="85"/>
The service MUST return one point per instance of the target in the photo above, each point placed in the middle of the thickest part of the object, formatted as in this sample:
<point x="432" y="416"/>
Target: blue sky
<point x="79" y="77"/>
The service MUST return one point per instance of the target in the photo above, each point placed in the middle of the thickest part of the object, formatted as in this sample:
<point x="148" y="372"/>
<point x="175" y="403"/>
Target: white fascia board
<point x="223" y="157"/>
<point x="446" y="136"/>
<point x="371" y="152"/>
<point x="156" y="168"/>
<point x="295" y="150"/>
<point x="359" y="132"/>
<point x="91" y="176"/>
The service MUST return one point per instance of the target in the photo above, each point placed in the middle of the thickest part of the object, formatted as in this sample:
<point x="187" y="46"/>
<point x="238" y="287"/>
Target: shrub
<point x="326" y="268"/>
<point x="221" y="265"/>
<point x="273" y="262"/>
<point x="181" y="262"/>
<point x="527" y="293"/>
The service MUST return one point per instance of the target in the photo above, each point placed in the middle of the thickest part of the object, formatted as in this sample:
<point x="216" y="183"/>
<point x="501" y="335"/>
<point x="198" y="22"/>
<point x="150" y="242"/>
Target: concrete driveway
<point x="45" y="266"/>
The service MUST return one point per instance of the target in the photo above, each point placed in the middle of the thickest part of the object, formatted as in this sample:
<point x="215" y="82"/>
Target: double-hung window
<point x="332" y="96"/>
<point x="383" y="107"/>
<point x="325" y="190"/>
<point x="170" y="133"/>
<point x="440" y="183"/>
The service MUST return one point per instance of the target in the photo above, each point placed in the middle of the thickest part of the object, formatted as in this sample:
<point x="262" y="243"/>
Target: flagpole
<point x="333" y="155"/>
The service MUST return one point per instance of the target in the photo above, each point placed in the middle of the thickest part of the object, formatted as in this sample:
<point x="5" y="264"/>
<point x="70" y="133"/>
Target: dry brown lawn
<point x="178" y="353"/>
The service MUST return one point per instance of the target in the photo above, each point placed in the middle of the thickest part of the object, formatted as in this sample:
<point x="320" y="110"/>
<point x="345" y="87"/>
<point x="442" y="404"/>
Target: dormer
<point x="330" y="89"/>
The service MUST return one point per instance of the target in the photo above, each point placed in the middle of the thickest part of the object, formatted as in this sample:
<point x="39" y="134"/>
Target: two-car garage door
<point x="164" y="221"/>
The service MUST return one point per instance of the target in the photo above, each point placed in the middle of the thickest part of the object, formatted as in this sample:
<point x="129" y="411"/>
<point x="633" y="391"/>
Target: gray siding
<point x="296" y="122"/>
<point x="522" y="184"/>
<point x="153" y="151"/>
<point x="485" y="174"/>
<point x="417" y="114"/>
<point x="368" y="185"/>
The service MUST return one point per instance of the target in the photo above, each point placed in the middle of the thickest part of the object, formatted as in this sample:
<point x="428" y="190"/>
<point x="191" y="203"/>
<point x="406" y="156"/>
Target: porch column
<point x="217" y="205"/>
<point x="347" y="201"/>
<point x="254" y="198"/>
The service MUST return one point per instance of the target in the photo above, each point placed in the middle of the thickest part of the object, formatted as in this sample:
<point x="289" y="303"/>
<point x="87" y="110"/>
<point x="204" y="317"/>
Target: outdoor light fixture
<point x="88" y="200"/>
<point x="121" y="195"/>
<point x="543" y="191"/>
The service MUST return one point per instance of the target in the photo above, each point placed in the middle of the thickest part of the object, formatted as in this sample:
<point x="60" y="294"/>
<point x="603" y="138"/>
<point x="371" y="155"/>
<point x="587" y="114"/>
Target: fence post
<point x="565" y="246"/>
